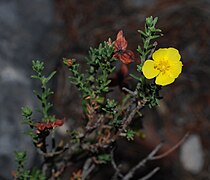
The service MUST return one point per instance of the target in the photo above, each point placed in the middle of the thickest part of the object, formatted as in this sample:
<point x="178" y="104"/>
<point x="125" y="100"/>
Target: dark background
<point x="50" y="30"/>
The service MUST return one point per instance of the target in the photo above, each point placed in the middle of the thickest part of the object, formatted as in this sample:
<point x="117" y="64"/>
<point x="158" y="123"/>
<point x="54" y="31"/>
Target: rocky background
<point x="49" y="30"/>
<point x="27" y="32"/>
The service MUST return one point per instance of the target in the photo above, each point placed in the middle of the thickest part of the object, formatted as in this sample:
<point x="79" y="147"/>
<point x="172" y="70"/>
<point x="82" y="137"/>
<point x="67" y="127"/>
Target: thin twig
<point x="142" y="163"/>
<point x="114" y="165"/>
<point x="152" y="156"/>
<point x="53" y="141"/>
<point x="153" y="50"/>
<point x="52" y="154"/>
<point x="171" y="149"/>
<point x="87" y="168"/>
<point x="150" y="174"/>
<point x="129" y="91"/>
<point x="132" y="114"/>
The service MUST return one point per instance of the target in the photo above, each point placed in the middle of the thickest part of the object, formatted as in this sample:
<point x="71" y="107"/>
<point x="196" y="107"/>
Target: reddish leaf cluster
<point x="120" y="51"/>
<point x="49" y="125"/>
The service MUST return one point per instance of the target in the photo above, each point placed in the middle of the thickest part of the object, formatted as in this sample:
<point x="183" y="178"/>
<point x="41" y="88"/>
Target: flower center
<point x="162" y="66"/>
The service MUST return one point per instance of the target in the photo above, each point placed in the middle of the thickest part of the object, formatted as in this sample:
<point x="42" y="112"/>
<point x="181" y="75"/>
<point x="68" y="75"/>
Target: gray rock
<point x="25" y="28"/>
<point x="192" y="155"/>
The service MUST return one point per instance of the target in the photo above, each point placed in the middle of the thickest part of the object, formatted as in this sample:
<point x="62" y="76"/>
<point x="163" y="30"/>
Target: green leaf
<point x="51" y="76"/>
<point x="26" y="111"/>
<point x="104" y="158"/>
<point x="134" y="77"/>
<point x="130" y="134"/>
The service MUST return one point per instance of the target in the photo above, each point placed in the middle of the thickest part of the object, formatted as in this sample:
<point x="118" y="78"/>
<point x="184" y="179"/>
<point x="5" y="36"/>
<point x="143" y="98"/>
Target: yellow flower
<point x="165" y="66"/>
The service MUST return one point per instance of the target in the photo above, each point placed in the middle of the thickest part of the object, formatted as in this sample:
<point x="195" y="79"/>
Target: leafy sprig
<point x="22" y="173"/>
<point x="110" y="107"/>
<point x="148" y="91"/>
<point x="130" y="134"/>
<point x="149" y="34"/>
<point x="27" y="115"/>
<point x="46" y="92"/>
<point x="95" y="81"/>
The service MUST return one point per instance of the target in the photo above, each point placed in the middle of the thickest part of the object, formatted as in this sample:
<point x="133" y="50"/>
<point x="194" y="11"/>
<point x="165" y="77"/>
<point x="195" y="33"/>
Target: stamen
<point x="162" y="66"/>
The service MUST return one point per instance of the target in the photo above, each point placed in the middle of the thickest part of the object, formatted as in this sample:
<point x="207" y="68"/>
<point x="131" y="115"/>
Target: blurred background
<point x="49" y="30"/>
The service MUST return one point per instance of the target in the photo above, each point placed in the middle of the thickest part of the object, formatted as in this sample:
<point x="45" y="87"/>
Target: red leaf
<point x="41" y="126"/>
<point x="127" y="56"/>
<point x="120" y="43"/>
<point x="120" y="52"/>
<point x="58" y="123"/>
<point x="49" y="125"/>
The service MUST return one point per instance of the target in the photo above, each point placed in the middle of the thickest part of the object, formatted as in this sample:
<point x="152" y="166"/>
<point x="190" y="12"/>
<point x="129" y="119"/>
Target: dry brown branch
<point x="52" y="154"/>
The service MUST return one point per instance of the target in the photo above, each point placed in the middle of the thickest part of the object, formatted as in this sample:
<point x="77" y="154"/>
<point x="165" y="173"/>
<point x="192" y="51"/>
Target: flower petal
<point x="164" y="79"/>
<point x="148" y="69"/>
<point x="173" y="54"/>
<point x="170" y="54"/>
<point x="159" y="55"/>
<point x="175" y="69"/>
